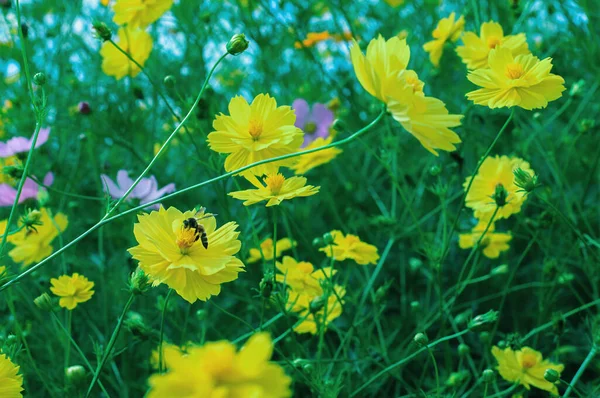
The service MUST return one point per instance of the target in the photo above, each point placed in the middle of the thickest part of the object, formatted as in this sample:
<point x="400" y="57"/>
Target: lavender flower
<point x="315" y="123"/>
<point x="30" y="191"/>
<point x="21" y="144"/>
<point x="146" y="191"/>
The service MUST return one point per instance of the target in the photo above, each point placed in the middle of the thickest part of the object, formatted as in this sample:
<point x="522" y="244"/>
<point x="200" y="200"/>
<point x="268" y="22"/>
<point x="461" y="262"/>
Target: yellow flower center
<point x="275" y="182"/>
<point x="529" y="361"/>
<point x="186" y="238"/>
<point x="493" y="42"/>
<point x="414" y="82"/>
<point x="514" y="71"/>
<point x="255" y="129"/>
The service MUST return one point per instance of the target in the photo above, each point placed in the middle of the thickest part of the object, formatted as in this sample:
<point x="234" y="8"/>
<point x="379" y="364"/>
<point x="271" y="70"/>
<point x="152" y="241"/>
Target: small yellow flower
<point x="493" y="243"/>
<point x="312" y="39"/>
<point x="351" y="247"/>
<point x="521" y="80"/>
<point x="526" y="366"/>
<point x="136" y="43"/>
<point x="11" y="382"/>
<point x="475" y="49"/>
<point x="266" y="247"/>
<point x="448" y="29"/>
<point x="496" y="170"/>
<point x="254" y="132"/>
<point x="32" y="246"/>
<point x="139" y="12"/>
<point x="72" y="290"/>
<point x="309" y="161"/>
<point x="315" y="311"/>
<point x="174" y="254"/>
<point x="217" y="370"/>
<point x="276" y="189"/>
<point x="301" y="276"/>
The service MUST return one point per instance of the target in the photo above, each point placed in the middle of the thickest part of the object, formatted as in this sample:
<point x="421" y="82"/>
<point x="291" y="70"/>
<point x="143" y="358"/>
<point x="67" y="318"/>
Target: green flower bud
<point x="488" y="376"/>
<point x="39" y="79"/>
<point x="75" y="374"/>
<point x="586" y="125"/>
<point x="318" y="242"/>
<point x="101" y="31"/>
<point x="139" y="282"/>
<point x="500" y="195"/>
<point x="317" y="304"/>
<point x="237" y="44"/>
<point x="327" y="239"/>
<point x="415" y="306"/>
<point x="435" y="170"/>
<point x="31" y="219"/>
<point x="457" y="378"/>
<point x="44" y="302"/>
<point x="525" y="181"/>
<point x="499" y="270"/>
<point x="169" y="81"/>
<point x="485" y="337"/>
<point x="338" y="125"/>
<point x="201" y="315"/>
<point x="43" y="197"/>
<point x="551" y="375"/>
<point x="421" y="339"/>
<point x="463" y="350"/>
<point x="414" y="264"/>
<point x="482" y="321"/>
<point x="577" y="88"/>
<point x="266" y="285"/>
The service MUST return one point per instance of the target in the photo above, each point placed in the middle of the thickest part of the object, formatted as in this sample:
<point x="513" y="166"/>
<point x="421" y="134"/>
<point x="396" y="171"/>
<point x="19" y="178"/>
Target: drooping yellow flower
<point x="496" y="170"/>
<point x="316" y="311"/>
<point x="301" y="276"/>
<point x="217" y="370"/>
<point x="526" y="366"/>
<point x="174" y="254"/>
<point x="136" y="43"/>
<point x="11" y="382"/>
<point x="351" y="247"/>
<point x="34" y="245"/>
<point x="276" y="189"/>
<point x="493" y="243"/>
<point x="521" y="80"/>
<point x="72" y="290"/>
<point x="312" y="38"/>
<point x="254" y="132"/>
<point x="475" y="49"/>
<point x="447" y="29"/>
<point x="309" y="161"/>
<point x="139" y="12"/>
<point x="266" y="247"/>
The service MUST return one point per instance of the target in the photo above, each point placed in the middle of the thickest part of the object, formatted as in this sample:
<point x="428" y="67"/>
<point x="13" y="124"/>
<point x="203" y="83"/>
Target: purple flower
<point x="315" y="123"/>
<point x="21" y="144"/>
<point x="30" y="190"/>
<point x="146" y="191"/>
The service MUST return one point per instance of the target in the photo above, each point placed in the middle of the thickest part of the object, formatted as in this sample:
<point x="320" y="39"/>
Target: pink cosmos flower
<point x="30" y="190"/>
<point x="146" y="191"/>
<point x="314" y="122"/>
<point x="21" y="144"/>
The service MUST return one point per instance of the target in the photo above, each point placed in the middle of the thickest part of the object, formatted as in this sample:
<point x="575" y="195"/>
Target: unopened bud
<point x="338" y="125"/>
<point x="499" y="270"/>
<point x="318" y="242"/>
<point x="577" y="88"/>
<point x="237" y="44"/>
<point x="201" y="315"/>
<point x="500" y="195"/>
<point x="139" y="282"/>
<point x="463" y="350"/>
<point x="101" y="31"/>
<point x="525" y="181"/>
<point x="421" y="339"/>
<point x="482" y="321"/>
<point x="44" y="302"/>
<point x="75" y="374"/>
<point x="136" y="325"/>
<point x="328" y="239"/>
<point x="551" y="375"/>
<point x="169" y="81"/>
<point x="317" y="304"/>
<point x="415" y="306"/>
<point x="266" y="285"/>
<point x="435" y="170"/>
<point x="485" y="337"/>
<point x="39" y="79"/>
<point x="488" y="376"/>
<point x="43" y="197"/>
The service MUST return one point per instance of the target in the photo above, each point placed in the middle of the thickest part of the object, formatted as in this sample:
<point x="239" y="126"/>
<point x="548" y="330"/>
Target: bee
<point x="192" y="223"/>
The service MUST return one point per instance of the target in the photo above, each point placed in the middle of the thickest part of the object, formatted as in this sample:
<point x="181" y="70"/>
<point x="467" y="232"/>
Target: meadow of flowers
<point x="269" y="198"/>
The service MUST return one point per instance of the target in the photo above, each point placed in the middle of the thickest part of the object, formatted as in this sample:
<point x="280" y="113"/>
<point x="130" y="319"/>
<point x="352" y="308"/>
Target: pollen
<point x="186" y="238"/>
<point x="275" y="182"/>
<point x="415" y="83"/>
<point x="514" y="71"/>
<point x="529" y="361"/>
<point x="493" y="42"/>
<point x="255" y="129"/>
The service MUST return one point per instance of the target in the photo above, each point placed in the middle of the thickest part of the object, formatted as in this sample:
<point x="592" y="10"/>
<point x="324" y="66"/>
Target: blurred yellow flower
<point x="521" y="80"/>
<point x="136" y="43"/>
<point x="315" y="311"/>
<point x="2" y="270"/>
<point x="276" y="189"/>
<point x="139" y="12"/>
<point x="493" y="243"/>
<point x="34" y="245"/>
<point x="173" y="253"/>
<point x="394" y="3"/>
<point x="351" y="247"/>
<point x="266" y="247"/>
<point x="9" y="161"/>
<point x="496" y="170"/>
<point x="11" y="382"/>
<point x="255" y="132"/>
<point x="475" y="49"/>
<point x="309" y="161"/>
<point x="105" y="3"/>
<point x="217" y="370"/>
<point x="301" y="276"/>
<point x="448" y="29"/>
<point x="313" y="38"/>
<point x="72" y="290"/>
<point x="525" y="366"/>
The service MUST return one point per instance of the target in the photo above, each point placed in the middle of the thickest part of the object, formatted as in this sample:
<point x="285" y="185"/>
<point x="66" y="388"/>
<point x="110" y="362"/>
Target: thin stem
<point x="58" y="191"/>
<point x="274" y="243"/>
<point x="584" y="365"/>
<point x="162" y="325"/>
<point x="437" y="373"/>
<point x="111" y="343"/>
<point x="68" y="345"/>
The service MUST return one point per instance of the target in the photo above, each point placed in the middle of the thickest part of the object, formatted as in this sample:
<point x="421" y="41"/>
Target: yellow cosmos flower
<point x="173" y="253"/>
<point x="521" y="80"/>
<point x="301" y="276"/>
<point x="11" y="383"/>
<point x="139" y="12"/>
<point x="493" y="243"/>
<point x="276" y="189"/>
<point x="266" y="247"/>
<point x="447" y="29"/>
<point x="72" y="290"/>
<point x="351" y="247"/>
<point x="32" y="246"/>
<point x="496" y="170"/>
<point x="136" y="43"/>
<point x="526" y="366"/>
<point x="217" y="370"/>
<point x="309" y="161"/>
<point x="254" y="132"/>
<point x="475" y="49"/>
<point x="316" y="311"/>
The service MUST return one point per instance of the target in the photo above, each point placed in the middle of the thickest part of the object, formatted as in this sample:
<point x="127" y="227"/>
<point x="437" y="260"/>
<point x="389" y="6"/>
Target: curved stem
<point x="437" y="373"/>
<point x="162" y="328"/>
<point x="584" y="365"/>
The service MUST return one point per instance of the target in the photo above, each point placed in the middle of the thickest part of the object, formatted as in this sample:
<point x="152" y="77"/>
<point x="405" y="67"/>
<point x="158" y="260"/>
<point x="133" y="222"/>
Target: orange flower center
<point x="186" y="238"/>
<point x="514" y="71"/>
<point x="493" y="42"/>
<point x="529" y="361"/>
<point x="255" y="129"/>
<point x="275" y="182"/>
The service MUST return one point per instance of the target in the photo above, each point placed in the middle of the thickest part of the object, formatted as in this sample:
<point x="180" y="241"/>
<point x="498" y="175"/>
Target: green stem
<point x="111" y="343"/>
<point x="68" y="345"/>
<point x="162" y="325"/>
<point x="437" y="373"/>
<point x="584" y="365"/>
<point x="274" y="243"/>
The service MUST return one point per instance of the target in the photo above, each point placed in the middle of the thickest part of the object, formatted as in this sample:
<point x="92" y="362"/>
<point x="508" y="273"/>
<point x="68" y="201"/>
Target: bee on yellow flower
<point x="139" y="12"/>
<point x="493" y="243"/>
<point x="351" y="247"/>
<point x="133" y="41"/>
<point x="276" y="189"/>
<point x="266" y="247"/>
<point x="447" y="29"/>
<point x="475" y="49"/>
<point x="72" y="290"/>
<point x="521" y="80"/>
<point x="307" y="162"/>
<point x="11" y="382"/>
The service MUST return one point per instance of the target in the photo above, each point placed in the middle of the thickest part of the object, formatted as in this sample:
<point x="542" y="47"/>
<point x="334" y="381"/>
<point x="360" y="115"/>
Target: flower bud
<point x="101" y="31"/>
<point x="499" y="270"/>
<point x="75" y="374"/>
<point x="415" y="306"/>
<point x="139" y="282"/>
<point x="500" y="195"/>
<point x="481" y="321"/>
<point x="485" y="337"/>
<point x="237" y="44"/>
<point x="585" y="125"/>
<point x="318" y="242"/>
<point x="435" y="170"/>
<point x="463" y="350"/>
<point x="31" y="219"/>
<point x="551" y="375"/>
<point x="44" y="302"/>
<point x="421" y="339"/>
<point x="338" y="125"/>
<point x="414" y="264"/>
<point x="577" y="88"/>
<point x="488" y="376"/>
<point x="457" y="378"/>
<point x="266" y="285"/>
<point x="327" y="239"/>
<point x="169" y="81"/>
<point x="317" y="304"/>
<point x="525" y="181"/>
<point x="201" y="315"/>
<point x="39" y="79"/>
<point x="136" y="325"/>
<point x="84" y="108"/>
<point x="43" y="197"/>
